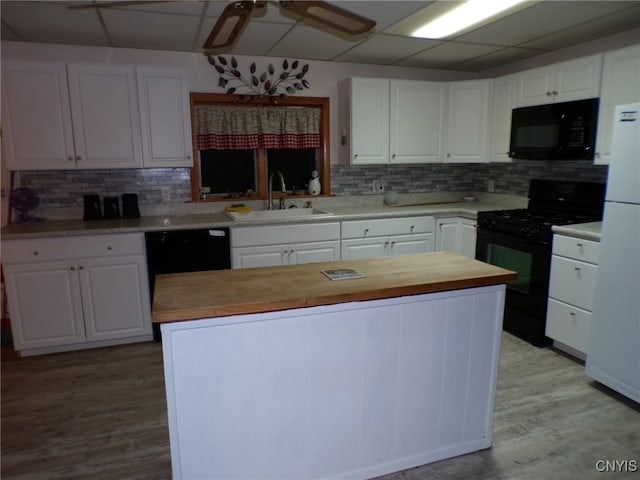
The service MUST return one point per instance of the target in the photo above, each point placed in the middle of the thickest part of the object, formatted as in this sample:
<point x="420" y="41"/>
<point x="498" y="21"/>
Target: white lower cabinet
<point x="386" y="237"/>
<point x="67" y="293"/>
<point x="574" y="266"/>
<point x="456" y="234"/>
<point x="274" y="245"/>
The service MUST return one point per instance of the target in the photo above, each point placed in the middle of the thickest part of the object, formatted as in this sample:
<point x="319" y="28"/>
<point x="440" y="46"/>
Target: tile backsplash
<point x="65" y="188"/>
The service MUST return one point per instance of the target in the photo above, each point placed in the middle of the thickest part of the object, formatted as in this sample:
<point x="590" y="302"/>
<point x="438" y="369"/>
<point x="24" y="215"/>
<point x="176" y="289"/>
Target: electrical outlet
<point x="377" y="186"/>
<point x="380" y="186"/>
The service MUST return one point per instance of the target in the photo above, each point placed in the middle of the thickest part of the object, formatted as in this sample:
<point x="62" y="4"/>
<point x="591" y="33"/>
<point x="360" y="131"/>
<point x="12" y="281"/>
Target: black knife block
<point x="130" y="205"/>
<point x="92" y="210"/>
<point x="111" y="207"/>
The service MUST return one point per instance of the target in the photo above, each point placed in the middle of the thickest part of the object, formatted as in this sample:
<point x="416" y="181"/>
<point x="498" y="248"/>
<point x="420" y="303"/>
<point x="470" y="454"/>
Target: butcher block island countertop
<point x="190" y="296"/>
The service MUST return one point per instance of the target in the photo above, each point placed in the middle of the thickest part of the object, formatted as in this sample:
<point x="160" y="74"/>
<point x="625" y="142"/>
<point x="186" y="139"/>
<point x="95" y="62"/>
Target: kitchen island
<point x="279" y="372"/>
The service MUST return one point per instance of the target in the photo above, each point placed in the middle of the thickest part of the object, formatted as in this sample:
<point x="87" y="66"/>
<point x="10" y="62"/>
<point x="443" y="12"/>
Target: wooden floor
<point x="101" y="414"/>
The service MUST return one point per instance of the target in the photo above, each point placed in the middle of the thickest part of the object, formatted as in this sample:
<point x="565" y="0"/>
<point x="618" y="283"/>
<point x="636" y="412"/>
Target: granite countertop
<point x="50" y="228"/>
<point x="587" y="231"/>
<point x="188" y="296"/>
<point x="190" y="217"/>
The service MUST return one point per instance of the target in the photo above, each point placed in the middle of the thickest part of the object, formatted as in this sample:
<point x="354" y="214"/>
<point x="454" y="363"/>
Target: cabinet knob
<point x="188" y="157"/>
<point x="73" y="269"/>
<point x="80" y="267"/>
<point x="554" y="92"/>
<point x="355" y="156"/>
<point x="109" y="247"/>
<point x="36" y="252"/>
<point x="78" y="158"/>
<point x="366" y="230"/>
<point x="70" y="158"/>
<point x="393" y="156"/>
<point x="448" y="155"/>
<point x="413" y="227"/>
<point x="548" y="94"/>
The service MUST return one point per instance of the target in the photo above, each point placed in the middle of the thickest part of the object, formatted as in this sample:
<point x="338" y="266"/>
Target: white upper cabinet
<point x="394" y="121"/>
<point x="104" y="109"/>
<point x="35" y="104"/>
<point x="369" y="120"/>
<point x="83" y="116"/>
<point x="503" y="101"/>
<point x="164" y="117"/>
<point x="417" y="121"/>
<point x="467" y="130"/>
<point x="563" y="82"/>
<point x="620" y="85"/>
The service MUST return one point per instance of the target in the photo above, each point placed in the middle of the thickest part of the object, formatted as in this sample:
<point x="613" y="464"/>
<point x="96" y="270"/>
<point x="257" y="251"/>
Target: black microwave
<point x="557" y="131"/>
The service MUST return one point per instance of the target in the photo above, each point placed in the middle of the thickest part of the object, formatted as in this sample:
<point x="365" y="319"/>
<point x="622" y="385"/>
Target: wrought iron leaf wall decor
<point x="265" y="84"/>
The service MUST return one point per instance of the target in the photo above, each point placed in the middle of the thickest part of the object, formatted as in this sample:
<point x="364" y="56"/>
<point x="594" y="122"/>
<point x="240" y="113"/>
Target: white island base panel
<point x="351" y="390"/>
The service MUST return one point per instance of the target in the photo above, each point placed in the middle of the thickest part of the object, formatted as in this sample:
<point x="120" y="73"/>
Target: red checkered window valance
<point x="237" y="127"/>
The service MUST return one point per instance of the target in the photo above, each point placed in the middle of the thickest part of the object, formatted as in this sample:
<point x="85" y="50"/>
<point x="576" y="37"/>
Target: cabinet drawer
<point x="57" y="248"/>
<point x="284" y="234"/>
<point x="387" y="226"/>
<point x="568" y="324"/>
<point x="572" y="282"/>
<point x="576" y="248"/>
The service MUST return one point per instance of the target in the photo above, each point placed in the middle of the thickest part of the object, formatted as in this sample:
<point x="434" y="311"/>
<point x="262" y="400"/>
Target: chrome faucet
<point x="283" y="188"/>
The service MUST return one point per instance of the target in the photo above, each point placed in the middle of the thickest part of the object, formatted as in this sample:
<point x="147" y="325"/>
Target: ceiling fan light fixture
<point x="462" y="17"/>
<point x="330" y="15"/>
<point x="232" y="21"/>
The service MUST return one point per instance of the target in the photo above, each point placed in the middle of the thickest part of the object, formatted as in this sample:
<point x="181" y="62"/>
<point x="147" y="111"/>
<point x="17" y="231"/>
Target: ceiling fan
<point x="236" y="15"/>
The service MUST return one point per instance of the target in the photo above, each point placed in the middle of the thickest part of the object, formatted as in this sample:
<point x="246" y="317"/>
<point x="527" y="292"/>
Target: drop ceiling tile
<point x="311" y="43"/>
<point x="446" y="54"/>
<point x="151" y="30"/>
<point x="256" y="39"/>
<point x="385" y="49"/>
<point x="384" y="13"/>
<point x="495" y="59"/>
<point x="193" y="8"/>
<point x="539" y="20"/>
<point x="617" y="22"/>
<point x="53" y="23"/>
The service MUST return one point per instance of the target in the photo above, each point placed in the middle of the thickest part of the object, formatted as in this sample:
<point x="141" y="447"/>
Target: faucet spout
<point x="283" y="188"/>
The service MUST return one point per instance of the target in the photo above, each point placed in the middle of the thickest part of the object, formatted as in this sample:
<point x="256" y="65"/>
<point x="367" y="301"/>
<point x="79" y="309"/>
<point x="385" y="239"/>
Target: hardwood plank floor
<point x="101" y="414"/>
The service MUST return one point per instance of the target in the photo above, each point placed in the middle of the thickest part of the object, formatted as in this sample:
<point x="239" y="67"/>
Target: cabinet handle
<point x="70" y="158"/>
<point x="554" y="92"/>
<point x="392" y="244"/>
<point x="73" y="269"/>
<point x="355" y="156"/>
<point x="109" y="247"/>
<point x="78" y="158"/>
<point x="448" y="155"/>
<point x="366" y="230"/>
<point x="188" y="157"/>
<point x="548" y="94"/>
<point x="36" y="252"/>
<point x="413" y="226"/>
<point x="80" y="267"/>
<point x="393" y="156"/>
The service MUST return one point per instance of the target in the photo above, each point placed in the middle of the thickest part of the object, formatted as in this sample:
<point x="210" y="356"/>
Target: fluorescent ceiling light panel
<point x="467" y="14"/>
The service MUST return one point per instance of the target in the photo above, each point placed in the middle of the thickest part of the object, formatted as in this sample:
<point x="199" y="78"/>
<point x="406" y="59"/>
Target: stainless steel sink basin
<point x="279" y="214"/>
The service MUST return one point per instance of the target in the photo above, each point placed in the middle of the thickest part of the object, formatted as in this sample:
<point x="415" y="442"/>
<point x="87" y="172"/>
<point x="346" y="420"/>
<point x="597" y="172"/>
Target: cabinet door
<point x="578" y="79"/>
<point x="369" y="120"/>
<point x="468" y="235"/>
<point x="106" y="122"/>
<point x="502" y="103"/>
<point x="417" y="121"/>
<point x="535" y="86"/>
<point x="35" y="105"/>
<point x="447" y="234"/>
<point x="620" y="80"/>
<point x="264" y="256"/>
<point x="410" y="244"/>
<point x="313" y="252"/>
<point x="164" y="117"/>
<point x="468" y="118"/>
<point x="115" y="296"/>
<point x="45" y="305"/>
<point x="359" y="248"/>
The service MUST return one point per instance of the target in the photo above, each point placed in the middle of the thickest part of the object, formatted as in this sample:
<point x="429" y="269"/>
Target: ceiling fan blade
<point x="330" y="15"/>
<point x="234" y="18"/>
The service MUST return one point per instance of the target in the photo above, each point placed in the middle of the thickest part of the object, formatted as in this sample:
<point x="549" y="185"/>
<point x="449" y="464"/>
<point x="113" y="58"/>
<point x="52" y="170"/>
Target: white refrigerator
<point x="613" y="355"/>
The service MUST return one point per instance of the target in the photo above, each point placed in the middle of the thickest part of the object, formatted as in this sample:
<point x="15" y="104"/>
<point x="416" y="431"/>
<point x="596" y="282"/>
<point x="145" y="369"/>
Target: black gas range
<point x="521" y="240"/>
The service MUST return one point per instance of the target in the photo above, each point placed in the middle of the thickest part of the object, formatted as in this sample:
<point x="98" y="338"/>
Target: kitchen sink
<point x="279" y="214"/>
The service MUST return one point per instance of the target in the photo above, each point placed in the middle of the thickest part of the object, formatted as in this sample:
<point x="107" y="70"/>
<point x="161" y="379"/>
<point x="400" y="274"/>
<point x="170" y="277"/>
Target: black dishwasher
<point x="178" y="251"/>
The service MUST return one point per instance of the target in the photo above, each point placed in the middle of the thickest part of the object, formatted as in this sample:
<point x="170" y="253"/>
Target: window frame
<point x="324" y="161"/>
